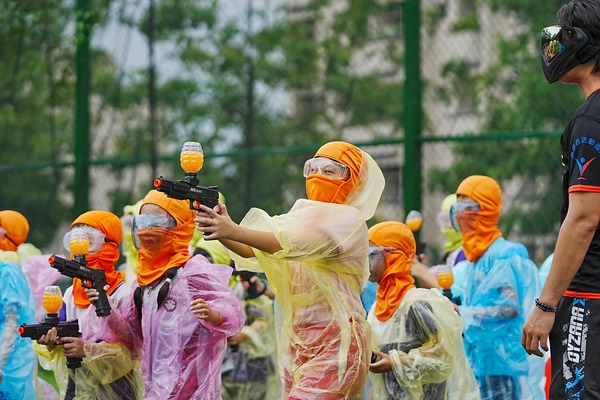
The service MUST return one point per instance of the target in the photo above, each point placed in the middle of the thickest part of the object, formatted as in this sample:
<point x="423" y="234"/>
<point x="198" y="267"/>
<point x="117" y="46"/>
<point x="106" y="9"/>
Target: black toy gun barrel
<point x="448" y="294"/>
<point x="188" y="189"/>
<point x="245" y="276"/>
<point x="63" y="329"/>
<point x="90" y="278"/>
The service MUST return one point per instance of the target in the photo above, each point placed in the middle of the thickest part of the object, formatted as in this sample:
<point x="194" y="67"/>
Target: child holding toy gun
<point x="315" y="258"/>
<point x="181" y="346"/>
<point x="109" y="370"/>
<point x="418" y="348"/>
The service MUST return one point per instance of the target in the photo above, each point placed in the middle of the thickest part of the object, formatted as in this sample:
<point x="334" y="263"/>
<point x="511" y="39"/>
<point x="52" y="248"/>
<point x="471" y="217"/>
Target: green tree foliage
<point x="239" y="74"/>
<point x="36" y="89"/>
<point x="514" y="97"/>
<point x="259" y="81"/>
<point x="36" y="107"/>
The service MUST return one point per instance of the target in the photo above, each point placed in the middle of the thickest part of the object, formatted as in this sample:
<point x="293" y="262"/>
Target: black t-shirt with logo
<point x="580" y="151"/>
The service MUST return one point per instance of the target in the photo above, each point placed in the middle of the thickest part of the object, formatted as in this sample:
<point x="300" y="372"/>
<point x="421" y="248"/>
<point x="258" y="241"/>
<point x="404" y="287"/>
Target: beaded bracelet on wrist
<point x="545" y="307"/>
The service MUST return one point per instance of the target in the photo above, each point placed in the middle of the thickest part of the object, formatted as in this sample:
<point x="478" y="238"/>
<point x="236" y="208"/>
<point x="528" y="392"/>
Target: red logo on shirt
<point x="582" y="165"/>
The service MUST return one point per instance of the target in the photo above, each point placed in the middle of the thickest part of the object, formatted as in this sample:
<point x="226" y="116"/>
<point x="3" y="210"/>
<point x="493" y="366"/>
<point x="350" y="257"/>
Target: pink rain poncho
<point x="317" y="278"/>
<point x="181" y="355"/>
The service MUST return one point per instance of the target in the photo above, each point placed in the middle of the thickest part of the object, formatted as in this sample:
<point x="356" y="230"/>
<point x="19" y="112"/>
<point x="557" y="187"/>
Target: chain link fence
<point x="262" y="84"/>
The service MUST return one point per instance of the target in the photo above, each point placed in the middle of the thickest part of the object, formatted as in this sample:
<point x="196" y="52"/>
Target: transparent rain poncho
<point x="317" y="278"/>
<point x="181" y="356"/>
<point x="423" y="339"/>
<point x="499" y="293"/>
<point x="248" y="370"/>
<point x="16" y="356"/>
<point x="108" y="371"/>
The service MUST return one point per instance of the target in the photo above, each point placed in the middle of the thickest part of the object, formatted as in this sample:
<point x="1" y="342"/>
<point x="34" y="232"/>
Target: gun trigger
<point x="87" y="283"/>
<point x="196" y="204"/>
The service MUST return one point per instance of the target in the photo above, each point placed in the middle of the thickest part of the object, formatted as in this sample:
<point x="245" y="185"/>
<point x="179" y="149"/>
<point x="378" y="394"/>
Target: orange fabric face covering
<point x="154" y="262"/>
<point x="105" y="259"/>
<point x="328" y="190"/>
<point x="17" y="229"/>
<point x="396" y="279"/>
<point x="485" y="191"/>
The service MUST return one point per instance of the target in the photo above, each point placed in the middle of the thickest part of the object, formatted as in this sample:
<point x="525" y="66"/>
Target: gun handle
<point x="448" y="294"/>
<point x="102" y="304"/>
<point x="73" y="362"/>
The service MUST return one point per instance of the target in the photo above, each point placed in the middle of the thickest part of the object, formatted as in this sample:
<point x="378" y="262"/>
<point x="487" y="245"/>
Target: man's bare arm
<point x="573" y="241"/>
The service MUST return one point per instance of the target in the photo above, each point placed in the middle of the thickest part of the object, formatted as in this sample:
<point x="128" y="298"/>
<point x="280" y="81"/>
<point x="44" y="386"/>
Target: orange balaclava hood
<point x="321" y="188"/>
<point x="485" y="191"/>
<point x="17" y="229"/>
<point x="175" y="248"/>
<point x="396" y="279"/>
<point x="110" y="225"/>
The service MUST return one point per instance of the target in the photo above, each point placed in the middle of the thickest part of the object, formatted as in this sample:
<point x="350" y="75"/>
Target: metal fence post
<point x="81" y="187"/>
<point x="411" y="173"/>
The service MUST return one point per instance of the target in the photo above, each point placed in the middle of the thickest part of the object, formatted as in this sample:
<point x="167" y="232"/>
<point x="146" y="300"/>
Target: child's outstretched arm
<point x="217" y="224"/>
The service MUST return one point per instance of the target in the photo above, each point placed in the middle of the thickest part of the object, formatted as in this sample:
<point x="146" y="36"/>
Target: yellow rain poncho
<point x="417" y="328"/>
<point x="423" y="339"/>
<point x="317" y="277"/>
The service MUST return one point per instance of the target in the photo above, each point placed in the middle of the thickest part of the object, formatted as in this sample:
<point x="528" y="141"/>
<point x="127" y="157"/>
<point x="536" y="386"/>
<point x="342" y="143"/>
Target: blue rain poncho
<point x="16" y="355"/>
<point x="499" y="293"/>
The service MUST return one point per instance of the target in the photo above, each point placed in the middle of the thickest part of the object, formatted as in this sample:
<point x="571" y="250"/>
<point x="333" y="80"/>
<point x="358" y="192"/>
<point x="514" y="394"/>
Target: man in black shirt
<point x="568" y="309"/>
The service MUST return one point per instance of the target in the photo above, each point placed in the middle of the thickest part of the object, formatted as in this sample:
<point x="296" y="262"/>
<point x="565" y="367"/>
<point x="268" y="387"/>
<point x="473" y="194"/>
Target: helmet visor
<point x="551" y="42"/>
<point x="326" y="167"/>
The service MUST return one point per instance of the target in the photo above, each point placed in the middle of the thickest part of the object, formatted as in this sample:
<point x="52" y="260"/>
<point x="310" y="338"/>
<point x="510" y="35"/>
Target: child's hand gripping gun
<point x="52" y="302"/>
<point x="445" y="278"/>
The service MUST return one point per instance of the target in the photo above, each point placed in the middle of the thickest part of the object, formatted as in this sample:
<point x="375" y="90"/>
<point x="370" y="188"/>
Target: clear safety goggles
<point x="326" y="167"/>
<point x="460" y="207"/>
<point x="95" y="238"/>
<point x="551" y="42"/>
<point x="376" y="253"/>
<point x="150" y="221"/>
